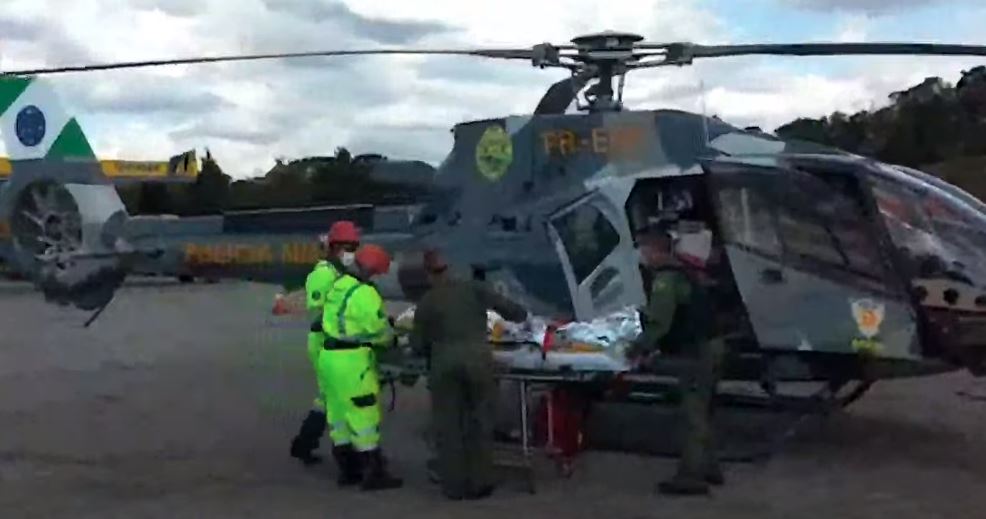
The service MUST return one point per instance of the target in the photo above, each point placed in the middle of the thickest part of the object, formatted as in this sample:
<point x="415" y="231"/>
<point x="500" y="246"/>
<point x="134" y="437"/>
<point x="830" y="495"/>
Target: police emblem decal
<point x="494" y="153"/>
<point x="869" y="316"/>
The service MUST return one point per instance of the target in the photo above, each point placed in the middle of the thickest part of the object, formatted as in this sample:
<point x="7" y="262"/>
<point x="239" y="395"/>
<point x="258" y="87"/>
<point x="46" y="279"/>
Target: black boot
<point x="433" y="474"/>
<point x="714" y="476"/>
<point x="481" y="493"/>
<point x="681" y="485"/>
<point x="375" y="475"/>
<point x="350" y="465"/>
<point x="308" y="438"/>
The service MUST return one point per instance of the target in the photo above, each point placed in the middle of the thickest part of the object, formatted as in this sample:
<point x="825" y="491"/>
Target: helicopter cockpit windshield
<point x="937" y="237"/>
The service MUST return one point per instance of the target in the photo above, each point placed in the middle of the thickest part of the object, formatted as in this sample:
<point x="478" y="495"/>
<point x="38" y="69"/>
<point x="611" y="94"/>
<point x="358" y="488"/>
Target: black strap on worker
<point x="393" y="395"/>
<point x="335" y="344"/>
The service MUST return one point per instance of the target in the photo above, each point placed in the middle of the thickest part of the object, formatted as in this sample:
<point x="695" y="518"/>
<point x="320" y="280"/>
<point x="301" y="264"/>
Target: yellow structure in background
<point x="134" y="169"/>
<point x="181" y="167"/>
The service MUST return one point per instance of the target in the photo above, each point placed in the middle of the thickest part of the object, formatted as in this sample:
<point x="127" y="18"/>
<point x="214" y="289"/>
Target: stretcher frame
<point x="528" y="382"/>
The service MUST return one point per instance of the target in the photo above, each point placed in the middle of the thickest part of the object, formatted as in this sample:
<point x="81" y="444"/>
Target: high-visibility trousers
<point x="352" y="396"/>
<point x="315" y="342"/>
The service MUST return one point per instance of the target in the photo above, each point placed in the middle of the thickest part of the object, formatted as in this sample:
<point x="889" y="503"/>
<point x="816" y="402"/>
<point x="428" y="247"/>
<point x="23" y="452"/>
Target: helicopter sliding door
<point x="810" y="263"/>
<point x="597" y="254"/>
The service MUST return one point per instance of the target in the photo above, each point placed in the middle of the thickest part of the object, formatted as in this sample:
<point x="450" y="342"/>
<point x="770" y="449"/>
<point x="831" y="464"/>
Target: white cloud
<point x="869" y="6"/>
<point x="249" y="113"/>
<point x="852" y="28"/>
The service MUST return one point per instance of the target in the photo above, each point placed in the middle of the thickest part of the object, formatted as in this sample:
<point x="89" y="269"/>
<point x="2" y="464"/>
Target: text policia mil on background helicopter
<point x="841" y="268"/>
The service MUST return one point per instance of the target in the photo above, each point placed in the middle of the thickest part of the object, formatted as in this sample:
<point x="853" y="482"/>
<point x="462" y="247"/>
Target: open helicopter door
<point x="593" y="241"/>
<point x="810" y="262"/>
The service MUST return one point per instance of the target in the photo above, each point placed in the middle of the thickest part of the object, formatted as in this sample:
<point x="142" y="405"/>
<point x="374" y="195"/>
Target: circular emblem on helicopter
<point x="869" y="316"/>
<point x="30" y="126"/>
<point x="494" y="153"/>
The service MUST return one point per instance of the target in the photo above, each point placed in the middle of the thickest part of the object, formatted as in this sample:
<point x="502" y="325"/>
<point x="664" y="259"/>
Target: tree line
<point x="934" y="126"/>
<point x="338" y="179"/>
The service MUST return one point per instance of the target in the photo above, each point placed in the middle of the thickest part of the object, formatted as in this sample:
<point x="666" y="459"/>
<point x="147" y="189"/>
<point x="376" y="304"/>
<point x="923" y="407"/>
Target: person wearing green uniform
<point x="450" y="330"/>
<point x="355" y="324"/>
<point x="679" y="320"/>
<point x="341" y="244"/>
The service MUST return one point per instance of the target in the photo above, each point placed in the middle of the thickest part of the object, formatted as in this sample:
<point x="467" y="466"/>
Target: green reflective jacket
<point x="354" y="312"/>
<point x="317" y="286"/>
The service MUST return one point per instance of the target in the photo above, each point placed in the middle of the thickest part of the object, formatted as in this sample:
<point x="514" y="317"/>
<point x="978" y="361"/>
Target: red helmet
<point x="373" y="259"/>
<point x="343" y="231"/>
<point x="434" y="262"/>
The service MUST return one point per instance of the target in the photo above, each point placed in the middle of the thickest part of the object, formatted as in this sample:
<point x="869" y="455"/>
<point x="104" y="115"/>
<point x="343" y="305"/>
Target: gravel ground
<point x="180" y="401"/>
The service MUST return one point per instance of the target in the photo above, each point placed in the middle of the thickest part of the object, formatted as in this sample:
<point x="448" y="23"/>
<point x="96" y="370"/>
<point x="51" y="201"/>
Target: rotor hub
<point x="52" y="227"/>
<point x="605" y="55"/>
<point x="607" y="42"/>
<point x="66" y="255"/>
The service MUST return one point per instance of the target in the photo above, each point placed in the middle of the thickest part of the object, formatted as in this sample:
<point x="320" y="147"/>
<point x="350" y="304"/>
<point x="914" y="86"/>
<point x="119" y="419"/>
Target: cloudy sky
<point x="250" y="113"/>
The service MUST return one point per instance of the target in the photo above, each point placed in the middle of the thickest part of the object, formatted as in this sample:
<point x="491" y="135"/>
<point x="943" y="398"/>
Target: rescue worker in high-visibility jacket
<point x="355" y="323"/>
<point x="340" y="248"/>
<point x="680" y="320"/>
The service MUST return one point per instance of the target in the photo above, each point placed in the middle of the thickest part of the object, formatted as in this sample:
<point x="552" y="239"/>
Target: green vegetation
<point x="312" y="181"/>
<point x="934" y="126"/>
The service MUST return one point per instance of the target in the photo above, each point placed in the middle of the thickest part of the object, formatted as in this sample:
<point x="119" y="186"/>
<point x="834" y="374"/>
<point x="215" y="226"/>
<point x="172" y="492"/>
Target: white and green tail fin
<point x="35" y="124"/>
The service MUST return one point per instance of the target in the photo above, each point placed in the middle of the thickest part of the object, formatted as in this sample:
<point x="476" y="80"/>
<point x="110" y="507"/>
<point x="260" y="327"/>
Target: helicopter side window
<point x="805" y="237"/>
<point x="746" y="220"/>
<point x="588" y="238"/>
<point x="821" y="221"/>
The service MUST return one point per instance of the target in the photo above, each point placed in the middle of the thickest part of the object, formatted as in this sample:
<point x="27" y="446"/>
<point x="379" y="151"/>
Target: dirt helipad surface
<point x="180" y="401"/>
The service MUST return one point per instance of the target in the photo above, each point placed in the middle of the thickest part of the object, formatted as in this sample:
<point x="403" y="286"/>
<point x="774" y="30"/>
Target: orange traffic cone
<point x="280" y="305"/>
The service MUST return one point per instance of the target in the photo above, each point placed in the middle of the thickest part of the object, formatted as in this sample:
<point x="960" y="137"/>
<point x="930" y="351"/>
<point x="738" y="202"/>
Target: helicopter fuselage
<point x="547" y="208"/>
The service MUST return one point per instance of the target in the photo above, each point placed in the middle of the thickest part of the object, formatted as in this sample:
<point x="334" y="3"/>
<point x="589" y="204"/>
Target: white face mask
<point x="348" y="259"/>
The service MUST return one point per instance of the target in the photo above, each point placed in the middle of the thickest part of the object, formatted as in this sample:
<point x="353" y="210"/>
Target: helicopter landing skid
<point x="776" y="419"/>
<point x="822" y="404"/>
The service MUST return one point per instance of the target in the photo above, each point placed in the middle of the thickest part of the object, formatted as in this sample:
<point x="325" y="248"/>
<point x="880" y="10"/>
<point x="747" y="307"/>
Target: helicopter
<point x="839" y="267"/>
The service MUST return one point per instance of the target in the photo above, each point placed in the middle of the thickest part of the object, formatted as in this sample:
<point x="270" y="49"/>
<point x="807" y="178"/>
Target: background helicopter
<point x="840" y="267"/>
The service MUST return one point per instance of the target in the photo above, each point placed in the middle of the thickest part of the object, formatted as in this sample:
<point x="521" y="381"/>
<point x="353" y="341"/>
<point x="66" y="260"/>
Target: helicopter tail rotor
<point x="66" y="219"/>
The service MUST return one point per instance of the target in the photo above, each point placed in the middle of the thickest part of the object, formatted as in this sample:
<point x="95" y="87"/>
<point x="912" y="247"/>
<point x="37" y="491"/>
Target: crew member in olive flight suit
<point x="679" y="320"/>
<point x="450" y="330"/>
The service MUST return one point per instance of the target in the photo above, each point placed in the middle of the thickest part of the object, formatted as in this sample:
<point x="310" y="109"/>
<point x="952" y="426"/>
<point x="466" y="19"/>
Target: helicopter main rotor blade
<point x="683" y="53"/>
<point x="524" y="54"/>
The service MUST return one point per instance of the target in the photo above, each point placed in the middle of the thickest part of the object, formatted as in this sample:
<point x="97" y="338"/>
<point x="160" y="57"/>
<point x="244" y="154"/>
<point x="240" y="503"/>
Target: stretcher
<point x="539" y="356"/>
<point x="534" y="371"/>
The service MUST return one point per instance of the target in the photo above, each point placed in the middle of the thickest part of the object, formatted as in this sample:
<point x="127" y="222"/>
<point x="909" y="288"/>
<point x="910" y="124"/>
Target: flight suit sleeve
<point x="507" y="309"/>
<point x="658" y="314"/>
<point x="421" y="336"/>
